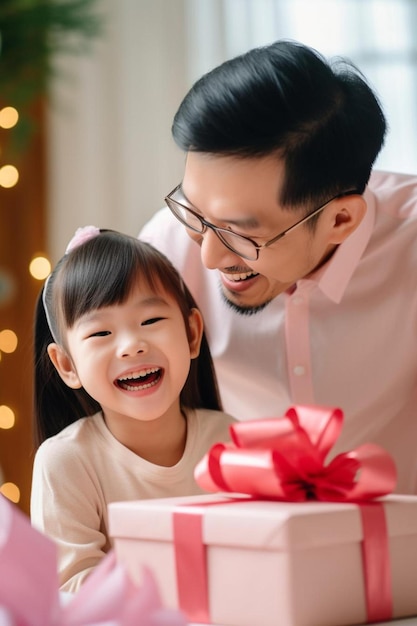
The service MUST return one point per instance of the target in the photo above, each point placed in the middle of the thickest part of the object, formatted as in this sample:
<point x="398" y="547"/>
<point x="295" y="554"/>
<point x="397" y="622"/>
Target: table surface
<point x="409" y="621"/>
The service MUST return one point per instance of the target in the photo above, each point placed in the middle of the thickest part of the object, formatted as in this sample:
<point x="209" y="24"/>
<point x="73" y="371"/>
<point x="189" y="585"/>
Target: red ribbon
<point x="191" y="560"/>
<point x="191" y="565"/>
<point x="376" y="565"/>
<point x="284" y="459"/>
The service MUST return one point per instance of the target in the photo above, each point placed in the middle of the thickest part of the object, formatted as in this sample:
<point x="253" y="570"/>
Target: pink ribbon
<point x="191" y="565"/>
<point x="284" y="459"/>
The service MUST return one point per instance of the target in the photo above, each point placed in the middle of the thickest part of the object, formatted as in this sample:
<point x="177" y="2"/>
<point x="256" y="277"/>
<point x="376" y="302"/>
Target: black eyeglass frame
<point x="171" y="204"/>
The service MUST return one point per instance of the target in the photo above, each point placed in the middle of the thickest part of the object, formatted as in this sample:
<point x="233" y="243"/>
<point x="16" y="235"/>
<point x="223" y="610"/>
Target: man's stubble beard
<point x="243" y="310"/>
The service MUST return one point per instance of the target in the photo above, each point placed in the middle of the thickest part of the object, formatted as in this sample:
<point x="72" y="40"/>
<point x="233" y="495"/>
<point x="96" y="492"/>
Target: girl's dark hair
<point x="320" y="117"/>
<point x="102" y="272"/>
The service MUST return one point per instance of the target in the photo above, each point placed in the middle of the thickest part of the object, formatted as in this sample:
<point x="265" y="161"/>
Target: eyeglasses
<point x="243" y="246"/>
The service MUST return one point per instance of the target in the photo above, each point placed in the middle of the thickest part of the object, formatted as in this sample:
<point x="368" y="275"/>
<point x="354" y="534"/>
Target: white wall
<point x="111" y="158"/>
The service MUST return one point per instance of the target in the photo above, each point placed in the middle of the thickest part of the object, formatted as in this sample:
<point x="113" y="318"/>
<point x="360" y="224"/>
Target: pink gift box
<point x="272" y="563"/>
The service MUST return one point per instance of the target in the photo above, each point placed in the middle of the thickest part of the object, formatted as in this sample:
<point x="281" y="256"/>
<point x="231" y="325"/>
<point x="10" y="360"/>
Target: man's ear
<point x="196" y="324"/>
<point x="64" y="366"/>
<point x="346" y="215"/>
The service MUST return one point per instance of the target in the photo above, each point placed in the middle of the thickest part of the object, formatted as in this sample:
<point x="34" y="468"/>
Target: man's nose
<point x="214" y="254"/>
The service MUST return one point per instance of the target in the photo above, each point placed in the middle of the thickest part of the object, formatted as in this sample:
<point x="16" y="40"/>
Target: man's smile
<point x="237" y="277"/>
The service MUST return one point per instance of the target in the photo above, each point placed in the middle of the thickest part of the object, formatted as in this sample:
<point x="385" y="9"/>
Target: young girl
<point x="126" y="401"/>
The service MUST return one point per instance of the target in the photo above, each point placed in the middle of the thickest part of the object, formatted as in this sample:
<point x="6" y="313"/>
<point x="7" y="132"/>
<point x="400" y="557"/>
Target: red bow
<point x="283" y="459"/>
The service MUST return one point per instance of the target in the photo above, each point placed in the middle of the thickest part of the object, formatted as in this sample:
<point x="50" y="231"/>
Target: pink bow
<point x="82" y="234"/>
<point x="29" y="594"/>
<point x="283" y="459"/>
<point x="109" y="597"/>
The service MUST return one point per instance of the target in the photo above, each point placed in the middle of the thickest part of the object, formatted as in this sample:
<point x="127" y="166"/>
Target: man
<point x="305" y="273"/>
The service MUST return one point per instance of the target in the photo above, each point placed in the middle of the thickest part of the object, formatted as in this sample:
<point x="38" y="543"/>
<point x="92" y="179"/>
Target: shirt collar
<point x="334" y="276"/>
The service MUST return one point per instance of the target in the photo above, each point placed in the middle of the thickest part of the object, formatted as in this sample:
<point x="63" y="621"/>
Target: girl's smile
<point x="140" y="380"/>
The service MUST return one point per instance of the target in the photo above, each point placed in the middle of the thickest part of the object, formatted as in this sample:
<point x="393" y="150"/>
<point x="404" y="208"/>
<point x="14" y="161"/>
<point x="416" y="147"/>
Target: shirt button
<point x="299" y="370"/>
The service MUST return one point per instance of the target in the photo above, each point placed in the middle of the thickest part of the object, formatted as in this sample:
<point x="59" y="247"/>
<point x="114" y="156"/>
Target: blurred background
<point x="88" y="90"/>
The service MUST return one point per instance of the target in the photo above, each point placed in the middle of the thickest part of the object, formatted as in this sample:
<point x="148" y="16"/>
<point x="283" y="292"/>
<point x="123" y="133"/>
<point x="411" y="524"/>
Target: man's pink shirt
<point x="345" y="337"/>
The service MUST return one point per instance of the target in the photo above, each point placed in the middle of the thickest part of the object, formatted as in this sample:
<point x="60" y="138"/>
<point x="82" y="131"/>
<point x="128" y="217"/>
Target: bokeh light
<point x="11" y="491"/>
<point x="7" y="417"/>
<point x="8" y="341"/>
<point x="40" y="267"/>
<point x="8" y="117"/>
<point x="8" y="176"/>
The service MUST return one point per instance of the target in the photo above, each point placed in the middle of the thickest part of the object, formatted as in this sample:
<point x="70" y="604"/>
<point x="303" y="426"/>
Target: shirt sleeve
<point x="71" y="516"/>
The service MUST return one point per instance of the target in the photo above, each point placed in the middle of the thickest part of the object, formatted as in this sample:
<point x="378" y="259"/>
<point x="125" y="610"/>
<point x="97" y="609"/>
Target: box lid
<point x="235" y="520"/>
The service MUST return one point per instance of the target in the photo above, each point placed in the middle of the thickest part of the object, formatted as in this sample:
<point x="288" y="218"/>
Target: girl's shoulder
<point x="71" y="442"/>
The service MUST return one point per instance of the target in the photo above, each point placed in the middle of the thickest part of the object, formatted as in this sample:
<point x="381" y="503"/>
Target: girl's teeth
<point x="141" y="379"/>
<point x="140" y="387"/>
<point x="140" y="374"/>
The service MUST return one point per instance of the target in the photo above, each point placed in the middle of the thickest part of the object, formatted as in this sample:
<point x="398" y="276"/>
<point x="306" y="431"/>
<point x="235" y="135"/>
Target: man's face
<point x="242" y="195"/>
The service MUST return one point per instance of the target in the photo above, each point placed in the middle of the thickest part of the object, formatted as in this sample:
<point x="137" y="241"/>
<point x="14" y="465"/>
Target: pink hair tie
<point x="81" y="236"/>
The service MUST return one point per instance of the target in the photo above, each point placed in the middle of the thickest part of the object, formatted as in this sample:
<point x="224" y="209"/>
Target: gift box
<point x="268" y="563"/>
<point x="310" y="544"/>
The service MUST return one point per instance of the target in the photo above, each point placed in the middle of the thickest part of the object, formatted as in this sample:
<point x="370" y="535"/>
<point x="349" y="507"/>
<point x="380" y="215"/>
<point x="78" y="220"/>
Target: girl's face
<point x="133" y="358"/>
